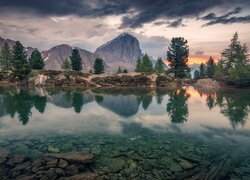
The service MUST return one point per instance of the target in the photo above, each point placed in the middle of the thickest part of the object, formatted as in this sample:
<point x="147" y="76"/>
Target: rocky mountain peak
<point x="122" y="51"/>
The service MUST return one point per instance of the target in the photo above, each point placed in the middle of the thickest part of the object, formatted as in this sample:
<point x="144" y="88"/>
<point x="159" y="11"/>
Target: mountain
<point x="54" y="57"/>
<point x="122" y="51"/>
<point x="12" y="43"/>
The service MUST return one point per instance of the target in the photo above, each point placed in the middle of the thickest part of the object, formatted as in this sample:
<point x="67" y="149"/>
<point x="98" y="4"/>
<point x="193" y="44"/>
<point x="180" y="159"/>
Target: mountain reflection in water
<point x="178" y="104"/>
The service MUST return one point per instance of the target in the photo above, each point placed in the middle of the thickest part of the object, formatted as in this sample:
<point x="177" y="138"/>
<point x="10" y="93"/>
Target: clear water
<point x="134" y="133"/>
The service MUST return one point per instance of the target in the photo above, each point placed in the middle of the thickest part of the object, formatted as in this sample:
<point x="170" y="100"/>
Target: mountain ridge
<point x="122" y="51"/>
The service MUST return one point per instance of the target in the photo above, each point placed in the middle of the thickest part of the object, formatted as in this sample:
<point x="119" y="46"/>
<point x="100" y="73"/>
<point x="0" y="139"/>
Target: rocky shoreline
<point x="78" y="79"/>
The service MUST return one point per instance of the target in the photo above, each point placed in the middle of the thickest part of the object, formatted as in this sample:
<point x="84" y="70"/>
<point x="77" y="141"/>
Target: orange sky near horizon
<point x="197" y="59"/>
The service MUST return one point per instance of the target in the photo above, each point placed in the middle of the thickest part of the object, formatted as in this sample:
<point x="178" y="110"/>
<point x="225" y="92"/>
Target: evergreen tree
<point x="36" y="60"/>
<point x="5" y="57"/>
<point x="138" y="65"/>
<point x="159" y="66"/>
<point x="76" y="60"/>
<point x="235" y="55"/>
<point x="196" y="75"/>
<point x="66" y="65"/>
<point x="125" y="71"/>
<point x="119" y="71"/>
<point x="202" y="70"/>
<point x="98" y="66"/>
<point x="177" y="56"/>
<point x="210" y="67"/>
<point x="20" y="65"/>
<point x="146" y="65"/>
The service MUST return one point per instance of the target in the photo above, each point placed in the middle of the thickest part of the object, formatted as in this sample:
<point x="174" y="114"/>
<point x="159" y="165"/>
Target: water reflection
<point x="177" y="106"/>
<point x="127" y="102"/>
<point x="234" y="106"/>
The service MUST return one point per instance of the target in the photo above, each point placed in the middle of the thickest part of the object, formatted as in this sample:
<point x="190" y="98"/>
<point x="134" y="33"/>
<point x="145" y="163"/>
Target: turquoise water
<point x="134" y="133"/>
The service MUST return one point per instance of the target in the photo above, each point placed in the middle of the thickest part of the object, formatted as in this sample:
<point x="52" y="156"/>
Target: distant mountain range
<point x="123" y="51"/>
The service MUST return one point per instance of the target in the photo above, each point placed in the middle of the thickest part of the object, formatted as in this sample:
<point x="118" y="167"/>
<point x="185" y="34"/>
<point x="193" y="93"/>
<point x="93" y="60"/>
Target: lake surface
<point x="133" y="133"/>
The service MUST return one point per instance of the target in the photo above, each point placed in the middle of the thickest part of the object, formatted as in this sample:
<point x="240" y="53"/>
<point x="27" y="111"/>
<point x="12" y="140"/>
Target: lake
<point x="133" y="133"/>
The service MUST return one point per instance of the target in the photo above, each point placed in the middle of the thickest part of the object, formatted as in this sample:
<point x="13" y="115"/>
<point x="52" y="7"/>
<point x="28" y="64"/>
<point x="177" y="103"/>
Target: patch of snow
<point x="46" y="58"/>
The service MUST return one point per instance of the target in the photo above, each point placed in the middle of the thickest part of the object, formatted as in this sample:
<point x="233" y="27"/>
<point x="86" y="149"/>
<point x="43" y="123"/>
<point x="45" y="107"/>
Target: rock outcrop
<point x="207" y="84"/>
<point x="123" y="51"/>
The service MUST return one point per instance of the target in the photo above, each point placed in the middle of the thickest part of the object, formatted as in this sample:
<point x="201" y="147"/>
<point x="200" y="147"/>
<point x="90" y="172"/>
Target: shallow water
<point x="134" y="133"/>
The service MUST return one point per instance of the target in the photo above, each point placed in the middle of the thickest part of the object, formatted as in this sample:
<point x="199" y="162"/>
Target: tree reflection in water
<point x="177" y="106"/>
<point x="233" y="104"/>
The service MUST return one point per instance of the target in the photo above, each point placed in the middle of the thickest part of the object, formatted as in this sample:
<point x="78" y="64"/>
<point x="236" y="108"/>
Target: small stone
<point x="96" y="150"/>
<point x="175" y="167"/>
<point x="15" y="159"/>
<point x="71" y="170"/>
<point x="3" y="154"/>
<point x="185" y="164"/>
<point x="44" y="178"/>
<point x="53" y="149"/>
<point x="85" y="176"/>
<point x="51" y="173"/>
<point x="62" y="163"/>
<point x="132" y="164"/>
<point x="23" y="166"/>
<point x="52" y="163"/>
<point x="117" y="165"/>
<point x="60" y="172"/>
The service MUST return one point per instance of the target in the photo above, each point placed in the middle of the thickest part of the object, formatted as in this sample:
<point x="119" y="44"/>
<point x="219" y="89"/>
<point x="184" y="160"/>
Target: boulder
<point x="40" y="80"/>
<point x="207" y="84"/>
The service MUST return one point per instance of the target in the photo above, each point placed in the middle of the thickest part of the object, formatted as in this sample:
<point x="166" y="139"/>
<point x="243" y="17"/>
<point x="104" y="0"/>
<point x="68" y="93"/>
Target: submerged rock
<point x="53" y="149"/>
<point x="185" y="164"/>
<point x="74" y="157"/>
<point x="117" y="165"/>
<point x="3" y="155"/>
<point x="85" y="176"/>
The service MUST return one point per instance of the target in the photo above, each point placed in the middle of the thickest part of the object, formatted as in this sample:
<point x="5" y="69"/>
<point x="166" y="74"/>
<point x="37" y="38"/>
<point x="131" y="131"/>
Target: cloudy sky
<point x="208" y="25"/>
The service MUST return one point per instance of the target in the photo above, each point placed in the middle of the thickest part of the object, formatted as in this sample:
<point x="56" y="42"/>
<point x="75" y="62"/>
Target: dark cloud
<point x="199" y="53"/>
<point x="171" y="24"/>
<point x="175" y="24"/>
<point x="137" y="12"/>
<point x="212" y="18"/>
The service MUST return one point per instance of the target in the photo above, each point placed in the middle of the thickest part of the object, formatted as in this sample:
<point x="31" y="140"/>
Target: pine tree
<point x="5" y="57"/>
<point x="210" y="67"/>
<point x="119" y="71"/>
<point x="196" y="75"/>
<point x="202" y="70"/>
<point x="138" y="65"/>
<point x="177" y="56"/>
<point x="125" y="71"/>
<point x="159" y="66"/>
<point x="66" y="65"/>
<point x="235" y="55"/>
<point x="36" y="60"/>
<point x="146" y="65"/>
<point x="98" y="66"/>
<point x="76" y="60"/>
<point x="20" y="65"/>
